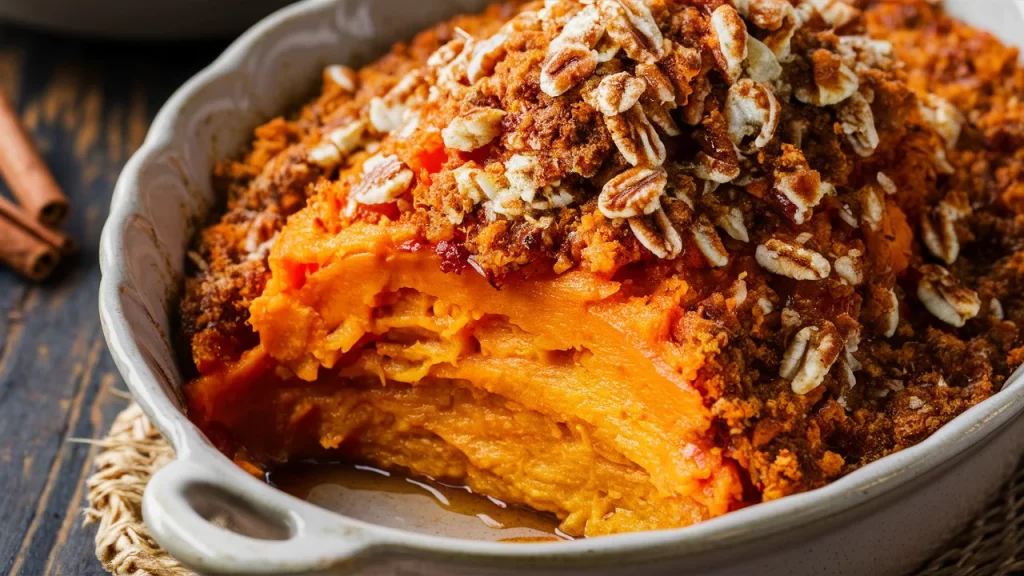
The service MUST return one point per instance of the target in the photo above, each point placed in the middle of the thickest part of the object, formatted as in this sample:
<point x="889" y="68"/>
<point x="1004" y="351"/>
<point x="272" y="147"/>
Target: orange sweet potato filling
<point x="559" y="393"/>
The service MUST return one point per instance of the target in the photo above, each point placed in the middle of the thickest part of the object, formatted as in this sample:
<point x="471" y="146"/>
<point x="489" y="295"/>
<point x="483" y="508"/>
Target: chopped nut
<point x="566" y="66"/>
<point x="944" y="296"/>
<point x="850" y="268"/>
<point x="802" y="189"/>
<point x="474" y="129"/>
<point x="833" y="81"/>
<point x="730" y="33"/>
<point x="659" y="116"/>
<point x="765" y="305"/>
<point x="751" y="108"/>
<point x="732" y="222"/>
<point x="681" y="65"/>
<point x="659" y="86"/>
<point x="661" y="238"/>
<point x="693" y="110"/>
<point x="485" y="57"/>
<point x="836" y="12"/>
<point x="938" y="232"/>
<point x="943" y="117"/>
<point x="765" y="14"/>
<point x="325" y="155"/>
<point x="521" y="172"/>
<point x="864" y="52"/>
<point x="606" y="49"/>
<point x="342" y="77"/>
<point x="631" y="25"/>
<point x="384" y="179"/>
<point x="447" y="53"/>
<point x="803" y="238"/>
<point x="810" y="356"/>
<point x="995" y="307"/>
<point x="708" y="242"/>
<point x="761" y="64"/>
<point x="780" y="41"/>
<point x="635" y="138"/>
<point x="790" y="318"/>
<point x="634" y="192"/>
<point x="584" y="28"/>
<point x="716" y="170"/>
<point x="476" y="184"/>
<point x="617" y="93"/>
<point x="858" y="123"/>
<point x="348" y="137"/>
<point x="793" y="261"/>
<point x="386" y="117"/>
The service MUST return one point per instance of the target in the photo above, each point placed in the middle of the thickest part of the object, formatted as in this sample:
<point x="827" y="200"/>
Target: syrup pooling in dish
<point x="632" y="263"/>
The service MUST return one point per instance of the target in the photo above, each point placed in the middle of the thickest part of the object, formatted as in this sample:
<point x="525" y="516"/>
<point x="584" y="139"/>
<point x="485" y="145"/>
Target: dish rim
<point x="858" y="488"/>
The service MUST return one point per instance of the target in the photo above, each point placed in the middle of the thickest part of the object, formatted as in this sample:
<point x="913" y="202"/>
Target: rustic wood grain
<point x="87" y="105"/>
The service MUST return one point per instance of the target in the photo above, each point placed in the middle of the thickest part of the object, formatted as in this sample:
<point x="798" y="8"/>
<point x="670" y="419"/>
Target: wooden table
<point x="88" y="105"/>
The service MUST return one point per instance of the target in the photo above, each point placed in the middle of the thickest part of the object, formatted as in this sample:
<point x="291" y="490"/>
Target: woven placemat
<point x="991" y="545"/>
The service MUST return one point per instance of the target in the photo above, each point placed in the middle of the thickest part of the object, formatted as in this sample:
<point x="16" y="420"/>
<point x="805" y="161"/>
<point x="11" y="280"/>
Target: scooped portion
<point x="636" y="263"/>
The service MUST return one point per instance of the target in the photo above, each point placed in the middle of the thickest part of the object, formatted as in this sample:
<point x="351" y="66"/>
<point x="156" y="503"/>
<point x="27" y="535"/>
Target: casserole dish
<point x="862" y="522"/>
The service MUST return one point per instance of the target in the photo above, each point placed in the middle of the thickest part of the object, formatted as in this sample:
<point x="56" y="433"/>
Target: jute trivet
<point x="992" y="545"/>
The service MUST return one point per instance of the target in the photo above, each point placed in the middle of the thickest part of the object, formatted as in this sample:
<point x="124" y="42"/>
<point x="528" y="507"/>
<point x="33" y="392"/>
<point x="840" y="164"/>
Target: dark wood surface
<point x="87" y="104"/>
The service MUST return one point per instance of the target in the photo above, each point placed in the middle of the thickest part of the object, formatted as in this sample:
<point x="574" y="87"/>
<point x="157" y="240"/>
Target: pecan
<point x="708" y="242"/>
<point x="347" y="137"/>
<point x="447" y="53"/>
<point x="631" y="25"/>
<point x="584" y="28"/>
<point x="617" y="93"/>
<point x="944" y="296"/>
<point x="938" y="232"/>
<point x="473" y="129"/>
<point x="693" y="110"/>
<point x="342" y="77"/>
<point x="730" y="35"/>
<point x="325" y="155"/>
<point x="384" y="179"/>
<point x="943" y="117"/>
<point x="858" y="123"/>
<point x="833" y="80"/>
<point x="657" y="234"/>
<point x="864" y="52"/>
<point x="765" y="14"/>
<point x="810" y="356"/>
<point x="780" y="41"/>
<point x="761" y="65"/>
<point x="606" y="49"/>
<point x="836" y="12"/>
<point x="635" y="138"/>
<point x="751" y="108"/>
<point x="850" y="267"/>
<point x="681" y="65"/>
<point x="566" y="66"/>
<point x="659" y="86"/>
<point x="800" y="192"/>
<point x="485" y="57"/>
<point x="659" y="115"/>
<point x="388" y="112"/>
<point x="634" y="192"/>
<point x="995" y="308"/>
<point x="476" y="184"/>
<point x="792" y="260"/>
<point x="732" y="222"/>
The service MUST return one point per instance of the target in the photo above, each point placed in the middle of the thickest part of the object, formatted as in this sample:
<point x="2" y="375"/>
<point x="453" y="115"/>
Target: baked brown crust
<point x="828" y="235"/>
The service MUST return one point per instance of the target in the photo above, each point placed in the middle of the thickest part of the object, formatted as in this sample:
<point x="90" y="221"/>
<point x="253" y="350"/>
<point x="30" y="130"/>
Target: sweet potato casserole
<point x="636" y="263"/>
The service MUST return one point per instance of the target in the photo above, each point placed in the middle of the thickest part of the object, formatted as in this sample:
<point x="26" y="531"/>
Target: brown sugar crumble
<point x="840" y="185"/>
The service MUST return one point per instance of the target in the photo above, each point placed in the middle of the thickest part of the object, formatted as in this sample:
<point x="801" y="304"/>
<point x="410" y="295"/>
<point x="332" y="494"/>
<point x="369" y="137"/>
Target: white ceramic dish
<point x="882" y="519"/>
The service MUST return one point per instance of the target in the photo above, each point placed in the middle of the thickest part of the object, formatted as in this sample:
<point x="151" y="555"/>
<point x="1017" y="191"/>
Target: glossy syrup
<point x="418" y="504"/>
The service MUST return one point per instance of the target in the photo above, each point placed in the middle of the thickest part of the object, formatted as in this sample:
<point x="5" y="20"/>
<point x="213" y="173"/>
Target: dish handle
<point x="242" y="527"/>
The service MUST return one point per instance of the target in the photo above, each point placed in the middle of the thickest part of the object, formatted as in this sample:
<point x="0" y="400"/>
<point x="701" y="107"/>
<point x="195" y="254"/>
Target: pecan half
<point x="635" y="137"/>
<point x="342" y="76"/>
<point x="566" y="66"/>
<point x="384" y="179"/>
<point x="943" y="117"/>
<point x="730" y="35"/>
<point x="761" y="64"/>
<point x="944" y="296"/>
<point x="657" y="234"/>
<point x="810" y="356"/>
<point x="485" y="57"/>
<point x="792" y="260"/>
<point x="473" y="129"/>
<point x="617" y="93"/>
<point x="858" y="123"/>
<point x="938" y="232"/>
<point x="850" y="267"/>
<point x="634" y="192"/>
<point x="631" y="25"/>
<point x="765" y="14"/>
<point x="801" y="191"/>
<point x="708" y="242"/>
<point x="833" y="80"/>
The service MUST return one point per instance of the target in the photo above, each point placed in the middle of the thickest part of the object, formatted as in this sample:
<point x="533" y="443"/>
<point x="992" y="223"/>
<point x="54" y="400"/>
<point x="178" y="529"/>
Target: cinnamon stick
<point x="25" y="253"/>
<point x="16" y="215"/>
<point x="26" y="174"/>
